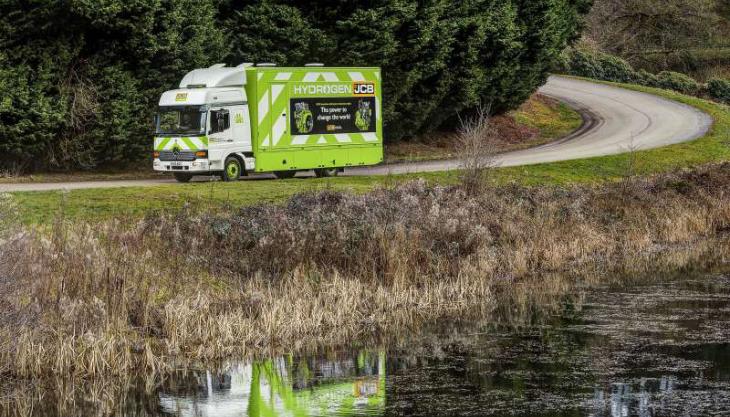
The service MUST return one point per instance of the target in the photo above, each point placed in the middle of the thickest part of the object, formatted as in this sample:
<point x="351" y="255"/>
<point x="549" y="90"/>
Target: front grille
<point x="177" y="155"/>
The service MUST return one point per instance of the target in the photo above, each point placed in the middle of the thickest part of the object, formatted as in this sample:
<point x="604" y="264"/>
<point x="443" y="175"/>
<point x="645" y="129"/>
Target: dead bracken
<point x="329" y="268"/>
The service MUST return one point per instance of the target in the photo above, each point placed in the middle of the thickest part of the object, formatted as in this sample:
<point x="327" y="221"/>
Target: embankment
<point x="331" y="267"/>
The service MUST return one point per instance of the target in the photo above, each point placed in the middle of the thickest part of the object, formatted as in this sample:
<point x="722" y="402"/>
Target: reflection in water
<point x="646" y="351"/>
<point x="284" y="387"/>
<point x="624" y="402"/>
<point x="657" y="350"/>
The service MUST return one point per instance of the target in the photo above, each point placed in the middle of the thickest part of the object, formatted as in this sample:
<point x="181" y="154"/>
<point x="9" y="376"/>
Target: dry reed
<point x="330" y="268"/>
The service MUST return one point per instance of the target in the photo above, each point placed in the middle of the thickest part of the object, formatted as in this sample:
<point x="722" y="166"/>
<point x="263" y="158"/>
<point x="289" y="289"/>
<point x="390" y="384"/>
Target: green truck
<point x="283" y="387"/>
<point x="232" y="121"/>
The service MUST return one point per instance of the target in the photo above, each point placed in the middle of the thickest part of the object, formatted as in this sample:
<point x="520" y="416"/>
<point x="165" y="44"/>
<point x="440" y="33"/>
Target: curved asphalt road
<point x="615" y="121"/>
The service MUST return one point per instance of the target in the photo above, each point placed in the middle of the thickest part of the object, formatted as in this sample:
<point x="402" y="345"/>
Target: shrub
<point x="646" y="78"/>
<point x="678" y="82"/>
<point x="719" y="89"/>
<point x="615" y="68"/>
<point x="598" y="65"/>
<point x="476" y="140"/>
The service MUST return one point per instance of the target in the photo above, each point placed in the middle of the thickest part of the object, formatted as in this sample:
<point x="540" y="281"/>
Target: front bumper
<point x="197" y="166"/>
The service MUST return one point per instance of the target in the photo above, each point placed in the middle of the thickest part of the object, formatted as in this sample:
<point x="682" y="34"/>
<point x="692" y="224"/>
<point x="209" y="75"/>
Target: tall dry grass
<point x="329" y="268"/>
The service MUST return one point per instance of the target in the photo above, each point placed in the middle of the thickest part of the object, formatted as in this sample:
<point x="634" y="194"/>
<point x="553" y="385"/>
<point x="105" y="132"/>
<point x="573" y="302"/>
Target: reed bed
<point x="328" y="268"/>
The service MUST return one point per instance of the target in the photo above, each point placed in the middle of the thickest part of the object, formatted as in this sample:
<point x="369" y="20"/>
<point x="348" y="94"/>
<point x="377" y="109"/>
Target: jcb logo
<point x="363" y="89"/>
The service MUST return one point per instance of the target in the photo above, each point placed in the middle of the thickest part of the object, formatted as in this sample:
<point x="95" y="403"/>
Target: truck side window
<point x="220" y="120"/>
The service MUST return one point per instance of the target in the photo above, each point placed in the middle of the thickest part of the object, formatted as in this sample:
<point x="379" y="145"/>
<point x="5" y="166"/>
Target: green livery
<point x="231" y="121"/>
<point x="181" y="143"/>
<point x="283" y="145"/>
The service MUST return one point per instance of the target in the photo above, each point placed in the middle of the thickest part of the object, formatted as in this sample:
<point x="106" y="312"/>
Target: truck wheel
<point x="284" y="175"/>
<point x="181" y="177"/>
<point x="326" y="172"/>
<point x="231" y="169"/>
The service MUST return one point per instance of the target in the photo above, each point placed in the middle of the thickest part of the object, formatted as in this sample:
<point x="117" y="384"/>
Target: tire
<point x="231" y="169"/>
<point x="326" y="172"/>
<point x="285" y="175"/>
<point x="182" y="177"/>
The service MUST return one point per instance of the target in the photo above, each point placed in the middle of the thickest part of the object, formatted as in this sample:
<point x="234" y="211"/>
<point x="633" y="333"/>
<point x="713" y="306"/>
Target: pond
<point x="657" y="349"/>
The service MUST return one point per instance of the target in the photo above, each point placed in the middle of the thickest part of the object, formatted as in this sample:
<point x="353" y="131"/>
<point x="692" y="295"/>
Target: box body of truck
<point x="270" y="119"/>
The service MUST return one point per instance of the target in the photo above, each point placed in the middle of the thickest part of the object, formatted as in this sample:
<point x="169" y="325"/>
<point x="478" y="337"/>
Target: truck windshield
<point x="180" y="121"/>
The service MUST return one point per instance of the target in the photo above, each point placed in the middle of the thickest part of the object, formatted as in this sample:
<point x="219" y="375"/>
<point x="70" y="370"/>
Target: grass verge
<point x="138" y="171"/>
<point x="714" y="147"/>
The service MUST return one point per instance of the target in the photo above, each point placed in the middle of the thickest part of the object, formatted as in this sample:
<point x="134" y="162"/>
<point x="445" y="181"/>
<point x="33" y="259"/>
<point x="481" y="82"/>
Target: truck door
<point x="241" y="128"/>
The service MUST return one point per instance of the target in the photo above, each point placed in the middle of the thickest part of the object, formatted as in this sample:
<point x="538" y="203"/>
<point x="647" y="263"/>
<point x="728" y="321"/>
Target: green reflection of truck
<point x="280" y="387"/>
<point x="230" y="121"/>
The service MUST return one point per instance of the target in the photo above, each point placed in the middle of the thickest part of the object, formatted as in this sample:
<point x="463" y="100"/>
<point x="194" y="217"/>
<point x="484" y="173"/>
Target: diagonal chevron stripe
<point x="356" y="76"/>
<point x="300" y="140"/>
<point x="283" y="76"/>
<point x="370" y="137"/>
<point x="162" y="143"/>
<point x="276" y="90"/>
<point x="343" y="138"/>
<point x="263" y="107"/>
<point x="189" y="143"/>
<point x="278" y="130"/>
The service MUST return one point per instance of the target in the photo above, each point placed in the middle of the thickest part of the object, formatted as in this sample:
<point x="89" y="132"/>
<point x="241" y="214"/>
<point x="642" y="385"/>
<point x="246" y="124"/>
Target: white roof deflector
<point x="217" y="75"/>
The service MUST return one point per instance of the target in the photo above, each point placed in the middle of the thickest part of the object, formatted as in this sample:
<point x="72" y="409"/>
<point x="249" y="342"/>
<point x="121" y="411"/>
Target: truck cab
<point x="202" y="128"/>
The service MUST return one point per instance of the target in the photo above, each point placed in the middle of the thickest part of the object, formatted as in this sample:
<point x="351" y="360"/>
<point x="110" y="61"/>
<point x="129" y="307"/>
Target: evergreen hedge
<point x="81" y="78"/>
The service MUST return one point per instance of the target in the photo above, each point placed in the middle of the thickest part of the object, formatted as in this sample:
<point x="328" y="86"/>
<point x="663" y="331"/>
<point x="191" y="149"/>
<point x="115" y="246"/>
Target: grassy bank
<point x="538" y="121"/>
<point x="330" y="268"/>
<point x="712" y="148"/>
<point x="100" y="204"/>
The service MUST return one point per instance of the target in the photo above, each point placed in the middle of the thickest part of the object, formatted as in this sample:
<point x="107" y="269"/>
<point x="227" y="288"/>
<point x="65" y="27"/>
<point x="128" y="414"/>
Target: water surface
<point x="652" y="350"/>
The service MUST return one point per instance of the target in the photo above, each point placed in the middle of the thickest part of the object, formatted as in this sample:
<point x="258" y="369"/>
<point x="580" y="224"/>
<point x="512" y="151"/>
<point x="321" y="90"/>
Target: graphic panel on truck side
<point x="332" y="115"/>
<point x="329" y="118"/>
